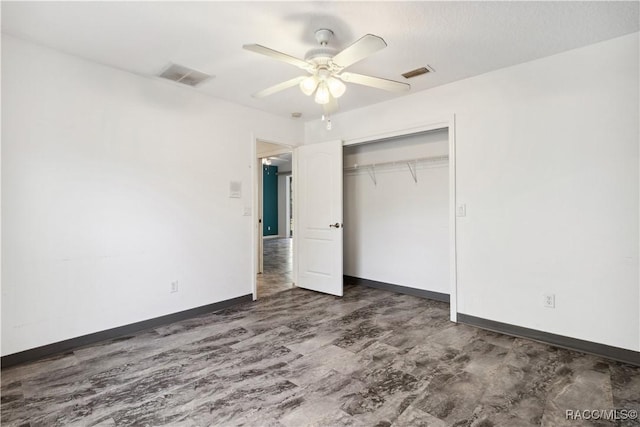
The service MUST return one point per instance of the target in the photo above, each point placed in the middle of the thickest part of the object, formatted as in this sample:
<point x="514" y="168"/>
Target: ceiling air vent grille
<point x="417" y="72"/>
<point x="184" y="75"/>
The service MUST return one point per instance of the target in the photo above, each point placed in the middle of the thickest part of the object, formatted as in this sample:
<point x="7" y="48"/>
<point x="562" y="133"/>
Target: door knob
<point x="336" y="225"/>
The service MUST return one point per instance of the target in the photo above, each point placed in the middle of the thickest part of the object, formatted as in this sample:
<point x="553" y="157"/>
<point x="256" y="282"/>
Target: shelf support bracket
<point x="414" y="172"/>
<point x="371" y="170"/>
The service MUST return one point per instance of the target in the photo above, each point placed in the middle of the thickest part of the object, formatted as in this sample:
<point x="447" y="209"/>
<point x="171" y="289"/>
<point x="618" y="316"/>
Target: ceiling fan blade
<point x="377" y="82"/>
<point x="359" y="50"/>
<point x="280" y="86"/>
<point x="331" y="106"/>
<point x="278" y="55"/>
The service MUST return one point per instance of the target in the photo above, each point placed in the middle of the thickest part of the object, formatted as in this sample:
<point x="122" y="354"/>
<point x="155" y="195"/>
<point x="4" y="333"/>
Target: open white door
<point x="319" y="217"/>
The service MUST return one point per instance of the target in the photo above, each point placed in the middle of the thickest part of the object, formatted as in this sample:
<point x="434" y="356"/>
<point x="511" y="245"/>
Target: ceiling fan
<point x="326" y="68"/>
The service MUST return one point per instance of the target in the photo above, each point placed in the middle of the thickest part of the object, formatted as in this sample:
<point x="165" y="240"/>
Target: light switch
<point x="461" y="210"/>
<point x="247" y="211"/>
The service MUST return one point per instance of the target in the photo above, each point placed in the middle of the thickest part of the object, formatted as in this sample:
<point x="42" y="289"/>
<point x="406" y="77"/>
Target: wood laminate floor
<point x="300" y="358"/>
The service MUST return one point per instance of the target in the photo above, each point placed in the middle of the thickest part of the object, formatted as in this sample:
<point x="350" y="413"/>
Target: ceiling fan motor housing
<point x="321" y="55"/>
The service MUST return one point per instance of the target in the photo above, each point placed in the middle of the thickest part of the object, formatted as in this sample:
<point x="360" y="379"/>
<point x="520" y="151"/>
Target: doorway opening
<point x="275" y="221"/>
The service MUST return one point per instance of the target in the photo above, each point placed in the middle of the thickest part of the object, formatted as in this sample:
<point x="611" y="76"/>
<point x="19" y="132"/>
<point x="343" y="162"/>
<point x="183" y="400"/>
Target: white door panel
<point x="319" y="220"/>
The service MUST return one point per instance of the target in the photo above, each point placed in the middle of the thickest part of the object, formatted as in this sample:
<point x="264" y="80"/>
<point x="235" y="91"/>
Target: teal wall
<point x="270" y="200"/>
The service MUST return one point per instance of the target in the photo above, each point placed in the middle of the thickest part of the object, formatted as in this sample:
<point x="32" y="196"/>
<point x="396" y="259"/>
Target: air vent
<point x="417" y="72"/>
<point x="184" y="75"/>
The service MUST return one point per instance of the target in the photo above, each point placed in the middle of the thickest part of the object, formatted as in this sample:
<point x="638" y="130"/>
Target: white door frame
<point x="287" y="209"/>
<point x="256" y="206"/>
<point x="446" y="122"/>
<point x="259" y="213"/>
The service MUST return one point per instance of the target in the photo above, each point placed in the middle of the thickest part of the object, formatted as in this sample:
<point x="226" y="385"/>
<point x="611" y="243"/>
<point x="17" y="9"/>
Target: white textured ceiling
<point x="457" y="39"/>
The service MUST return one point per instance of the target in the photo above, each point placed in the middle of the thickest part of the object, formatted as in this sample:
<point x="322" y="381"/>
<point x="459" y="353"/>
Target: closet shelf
<point x="411" y="164"/>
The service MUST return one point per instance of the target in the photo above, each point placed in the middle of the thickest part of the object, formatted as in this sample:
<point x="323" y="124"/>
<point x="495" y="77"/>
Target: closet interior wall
<point x="396" y="211"/>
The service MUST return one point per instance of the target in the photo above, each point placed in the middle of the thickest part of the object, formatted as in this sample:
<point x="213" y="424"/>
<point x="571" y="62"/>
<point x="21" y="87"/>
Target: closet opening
<point x="397" y="214"/>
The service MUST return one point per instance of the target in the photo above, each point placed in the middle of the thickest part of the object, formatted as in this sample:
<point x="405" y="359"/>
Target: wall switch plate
<point x="174" y="286"/>
<point x="235" y="189"/>
<point x="461" y="210"/>
<point x="549" y="301"/>
<point x="247" y="211"/>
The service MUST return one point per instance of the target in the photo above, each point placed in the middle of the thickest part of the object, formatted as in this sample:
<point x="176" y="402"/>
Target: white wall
<point x="397" y="230"/>
<point x="112" y="188"/>
<point x="547" y="164"/>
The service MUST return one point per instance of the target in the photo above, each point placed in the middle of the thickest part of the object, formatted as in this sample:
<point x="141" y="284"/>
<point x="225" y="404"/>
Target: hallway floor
<point x="301" y="358"/>
<point x="277" y="275"/>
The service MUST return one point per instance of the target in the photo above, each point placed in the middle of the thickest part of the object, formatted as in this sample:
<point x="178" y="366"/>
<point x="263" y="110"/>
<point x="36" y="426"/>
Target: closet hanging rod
<point x="394" y="162"/>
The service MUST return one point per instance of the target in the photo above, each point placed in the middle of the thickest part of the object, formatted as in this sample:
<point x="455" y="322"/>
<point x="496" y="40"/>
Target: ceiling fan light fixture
<point x="327" y="80"/>
<point x="322" y="94"/>
<point x="308" y="85"/>
<point x="336" y="87"/>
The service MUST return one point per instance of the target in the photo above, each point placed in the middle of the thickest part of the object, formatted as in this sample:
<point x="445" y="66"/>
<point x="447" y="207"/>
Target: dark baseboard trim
<point x="438" y="296"/>
<point x="74" y="343"/>
<point x="616" y="353"/>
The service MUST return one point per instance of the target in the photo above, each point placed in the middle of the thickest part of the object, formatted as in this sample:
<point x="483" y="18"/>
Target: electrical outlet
<point x="174" y="286"/>
<point x="550" y="300"/>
